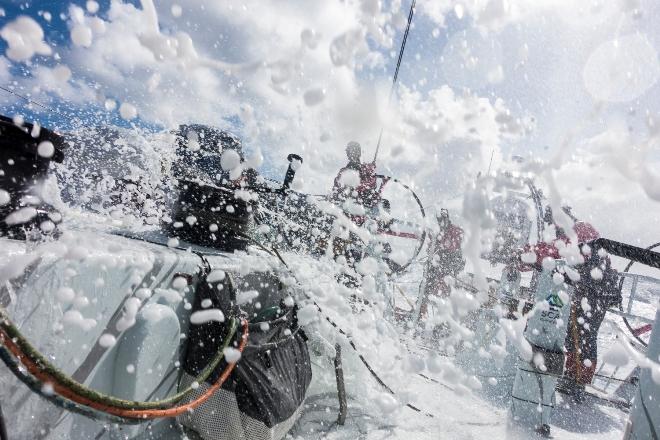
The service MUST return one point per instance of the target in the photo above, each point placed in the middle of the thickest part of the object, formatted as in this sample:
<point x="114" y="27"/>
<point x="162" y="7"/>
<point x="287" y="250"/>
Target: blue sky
<point x="421" y="60"/>
<point x="64" y="114"/>
<point x="541" y="49"/>
<point x="56" y="31"/>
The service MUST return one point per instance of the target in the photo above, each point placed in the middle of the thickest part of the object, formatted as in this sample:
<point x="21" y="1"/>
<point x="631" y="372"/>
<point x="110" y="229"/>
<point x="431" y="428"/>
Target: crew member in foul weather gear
<point x="595" y="290"/>
<point x="444" y="259"/>
<point x="355" y="190"/>
<point x="356" y="180"/>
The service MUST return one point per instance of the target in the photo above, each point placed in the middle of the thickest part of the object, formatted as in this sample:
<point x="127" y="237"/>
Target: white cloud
<point x="494" y="15"/>
<point x="611" y="180"/>
<point x="4" y="69"/>
<point x="24" y="38"/>
<point x="622" y="69"/>
<point x="446" y="138"/>
<point x="256" y="61"/>
<point x="253" y="62"/>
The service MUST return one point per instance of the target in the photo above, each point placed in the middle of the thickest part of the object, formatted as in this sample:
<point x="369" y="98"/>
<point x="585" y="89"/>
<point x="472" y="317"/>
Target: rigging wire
<point x="31" y="101"/>
<point x="396" y="71"/>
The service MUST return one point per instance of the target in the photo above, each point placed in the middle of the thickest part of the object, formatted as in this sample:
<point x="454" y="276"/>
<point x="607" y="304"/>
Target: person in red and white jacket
<point x="594" y="292"/>
<point x="356" y="180"/>
<point x="445" y="258"/>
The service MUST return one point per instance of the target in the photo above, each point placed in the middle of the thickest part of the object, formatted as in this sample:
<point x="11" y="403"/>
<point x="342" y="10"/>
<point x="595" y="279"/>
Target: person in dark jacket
<point x="593" y="293"/>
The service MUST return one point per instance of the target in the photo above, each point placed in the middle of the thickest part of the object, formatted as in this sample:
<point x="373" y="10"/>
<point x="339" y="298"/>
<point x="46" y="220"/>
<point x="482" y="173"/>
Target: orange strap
<point x="122" y="412"/>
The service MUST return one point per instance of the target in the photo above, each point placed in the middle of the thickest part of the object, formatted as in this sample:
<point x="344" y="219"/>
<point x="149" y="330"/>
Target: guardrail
<point x="628" y="312"/>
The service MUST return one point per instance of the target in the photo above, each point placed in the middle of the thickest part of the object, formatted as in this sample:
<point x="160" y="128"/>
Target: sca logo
<point x="554" y="301"/>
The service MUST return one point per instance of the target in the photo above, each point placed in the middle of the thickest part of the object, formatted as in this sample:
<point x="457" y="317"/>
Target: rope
<point x="65" y="387"/>
<point x="38" y="388"/>
<point x="486" y="376"/>
<point x="605" y="376"/>
<point x="60" y="377"/>
<point x="404" y="296"/>
<point x="531" y="401"/>
<point x="430" y="379"/>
